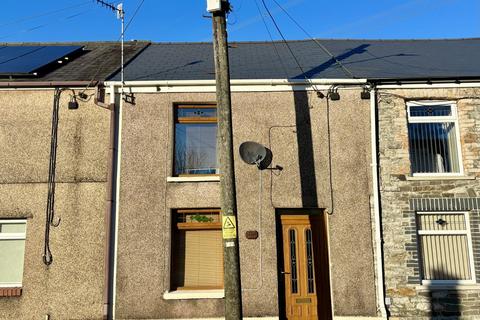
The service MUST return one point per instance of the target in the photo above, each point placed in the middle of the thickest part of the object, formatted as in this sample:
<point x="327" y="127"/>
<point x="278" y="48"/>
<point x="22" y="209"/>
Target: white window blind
<point x="445" y="247"/>
<point x="197" y="250"/>
<point x="434" y="138"/>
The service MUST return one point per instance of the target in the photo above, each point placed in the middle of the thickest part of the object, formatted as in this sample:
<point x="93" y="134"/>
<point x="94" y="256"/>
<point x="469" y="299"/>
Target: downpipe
<point x="376" y="205"/>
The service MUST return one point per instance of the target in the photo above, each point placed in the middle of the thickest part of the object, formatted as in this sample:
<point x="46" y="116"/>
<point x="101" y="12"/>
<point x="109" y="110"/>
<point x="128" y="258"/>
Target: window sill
<point x="435" y="287"/>
<point x="10" y="291"/>
<point x="194" y="179"/>
<point x="440" y="177"/>
<point x="194" y="294"/>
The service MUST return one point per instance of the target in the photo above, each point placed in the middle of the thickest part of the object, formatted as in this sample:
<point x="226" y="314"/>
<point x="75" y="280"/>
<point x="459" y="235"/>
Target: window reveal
<point x="195" y="140"/>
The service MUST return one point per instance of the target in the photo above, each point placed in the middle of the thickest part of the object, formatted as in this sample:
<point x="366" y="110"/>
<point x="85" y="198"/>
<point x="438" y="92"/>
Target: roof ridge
<point x="311" y="40"/>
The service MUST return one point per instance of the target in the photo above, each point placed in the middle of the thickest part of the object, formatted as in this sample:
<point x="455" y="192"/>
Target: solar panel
<point x="25" y="60"/>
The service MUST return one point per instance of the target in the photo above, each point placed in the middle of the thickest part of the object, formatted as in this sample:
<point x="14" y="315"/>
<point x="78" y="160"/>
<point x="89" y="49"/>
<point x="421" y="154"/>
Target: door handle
<point x="284" y="272"/>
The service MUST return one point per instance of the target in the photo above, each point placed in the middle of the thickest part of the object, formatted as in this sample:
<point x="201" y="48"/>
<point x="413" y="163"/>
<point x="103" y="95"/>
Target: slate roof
<point x="98" y="61"/>
<point x="371" y="59"/>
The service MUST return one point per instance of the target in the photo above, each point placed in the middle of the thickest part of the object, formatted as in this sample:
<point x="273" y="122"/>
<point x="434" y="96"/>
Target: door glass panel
<point x="310" y="277"/>
<point x="293" y="260"/>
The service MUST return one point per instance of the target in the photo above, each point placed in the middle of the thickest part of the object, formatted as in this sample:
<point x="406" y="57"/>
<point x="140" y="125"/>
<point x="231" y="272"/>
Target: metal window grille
<point x="434" y="138"/>
<point x="445" y="247"/>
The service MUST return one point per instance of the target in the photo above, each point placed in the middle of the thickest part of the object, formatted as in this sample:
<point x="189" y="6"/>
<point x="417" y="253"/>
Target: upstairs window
<point x="195" y="140"/>
<point x="434" y="138"/>
<point x="12" y="250"/>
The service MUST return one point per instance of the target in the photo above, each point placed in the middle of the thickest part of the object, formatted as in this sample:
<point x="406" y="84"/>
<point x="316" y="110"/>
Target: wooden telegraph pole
<point x="231" y="265"/>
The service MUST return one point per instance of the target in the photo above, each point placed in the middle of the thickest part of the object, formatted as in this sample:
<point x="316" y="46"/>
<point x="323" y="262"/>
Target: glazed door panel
<point x="299" y="239"/>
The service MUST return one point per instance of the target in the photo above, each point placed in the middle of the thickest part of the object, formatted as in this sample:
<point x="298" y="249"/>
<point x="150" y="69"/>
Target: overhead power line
<point x="345" y="69"/>
<point x="48" y="13"/>
<point x="271" y="39"/>
<point x="134" y="14"/>
<point x="31" y="29"/>
<point x="285" y="40"/>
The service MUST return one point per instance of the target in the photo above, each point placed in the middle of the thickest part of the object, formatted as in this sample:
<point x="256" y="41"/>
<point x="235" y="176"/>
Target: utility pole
<point x="231" y="265"/>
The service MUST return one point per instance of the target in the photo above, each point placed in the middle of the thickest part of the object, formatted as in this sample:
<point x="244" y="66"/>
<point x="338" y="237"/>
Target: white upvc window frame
<point x="13" y="236"/>
<point x="466" y="232"/>
<point x="438" y="119"/>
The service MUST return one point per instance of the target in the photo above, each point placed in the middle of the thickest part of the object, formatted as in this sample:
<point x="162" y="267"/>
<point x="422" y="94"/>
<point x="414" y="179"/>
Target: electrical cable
<point x="44" y="14"/>
<point x="50" y="211"/>
<point x="69" y="17"/>
<point x="101" y="67"/>
<point x="284" y="40"/>
<point x="270" y="147"/>
<point x="289" y="48"/>
<point x="260" y="231"/>
<point x="328" y="111"/>
<point x="330" y="163"/>
<point x="133" y="15"/>
<point x="345" y="69"/>
<point x="271" y="39"/>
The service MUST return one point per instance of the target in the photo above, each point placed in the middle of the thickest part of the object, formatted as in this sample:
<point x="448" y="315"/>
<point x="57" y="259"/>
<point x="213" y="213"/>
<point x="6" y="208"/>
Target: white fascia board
<point x="429" y="86"/>
<point x="238" y="82"/>
<point x="236" y="85"/>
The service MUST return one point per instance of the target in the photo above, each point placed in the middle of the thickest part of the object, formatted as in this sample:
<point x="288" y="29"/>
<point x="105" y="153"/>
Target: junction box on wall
<point x="214" y="5"/>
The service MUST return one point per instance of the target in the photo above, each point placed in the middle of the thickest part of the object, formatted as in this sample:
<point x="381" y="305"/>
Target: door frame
<point x="327" y="292"/>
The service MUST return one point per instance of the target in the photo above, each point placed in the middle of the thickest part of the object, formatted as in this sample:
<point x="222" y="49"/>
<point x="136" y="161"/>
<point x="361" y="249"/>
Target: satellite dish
<point x="252" y="152"/>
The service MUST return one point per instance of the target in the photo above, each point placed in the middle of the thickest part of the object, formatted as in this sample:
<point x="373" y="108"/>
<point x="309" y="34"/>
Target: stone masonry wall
<point x="402" y="197"/>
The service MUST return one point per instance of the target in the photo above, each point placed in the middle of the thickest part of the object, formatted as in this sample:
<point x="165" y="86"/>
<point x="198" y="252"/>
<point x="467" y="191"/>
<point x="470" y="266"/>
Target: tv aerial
<point x="255" y="153"/>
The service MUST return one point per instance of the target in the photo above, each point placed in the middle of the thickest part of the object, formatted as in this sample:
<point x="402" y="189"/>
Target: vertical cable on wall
<point x="50" y="212"/>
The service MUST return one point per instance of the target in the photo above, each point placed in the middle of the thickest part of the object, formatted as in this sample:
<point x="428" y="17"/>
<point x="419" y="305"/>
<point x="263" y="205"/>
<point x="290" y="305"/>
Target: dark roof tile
<point x="372" y="59"/>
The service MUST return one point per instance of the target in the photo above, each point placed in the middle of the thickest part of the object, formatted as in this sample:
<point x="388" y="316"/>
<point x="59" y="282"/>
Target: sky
<point x="187" y="20"/>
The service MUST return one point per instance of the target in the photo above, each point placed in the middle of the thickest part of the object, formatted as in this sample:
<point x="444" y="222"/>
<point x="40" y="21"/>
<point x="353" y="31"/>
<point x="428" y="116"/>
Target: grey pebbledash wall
<point x="402" y="197"/>
<point x="278" y="120"/>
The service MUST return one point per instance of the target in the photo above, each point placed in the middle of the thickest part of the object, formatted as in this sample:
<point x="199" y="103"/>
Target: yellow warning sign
<point x="229" y="227"/>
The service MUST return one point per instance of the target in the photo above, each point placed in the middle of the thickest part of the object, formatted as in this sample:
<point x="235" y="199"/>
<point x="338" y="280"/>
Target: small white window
<point x="445" y="247"/>
<point x="434" y="138"/>
<point x="12" y="249"/>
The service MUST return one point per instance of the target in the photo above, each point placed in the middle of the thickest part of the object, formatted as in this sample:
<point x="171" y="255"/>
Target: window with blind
<point x="195" y="140"/>
<point x="197" y="252"/>
<point x="12" y="250"/>
<point x="445" y="247"/>
<point x="433" y="137"/>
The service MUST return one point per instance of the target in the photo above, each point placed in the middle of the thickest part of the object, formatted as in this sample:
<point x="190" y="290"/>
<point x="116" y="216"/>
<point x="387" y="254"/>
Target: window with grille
<point x="434" y="138"/>
<point x="445" y="247"/>
<point x="12" y="250"/>
<point x="197" y="250"/>
<point x="195" y="140"/>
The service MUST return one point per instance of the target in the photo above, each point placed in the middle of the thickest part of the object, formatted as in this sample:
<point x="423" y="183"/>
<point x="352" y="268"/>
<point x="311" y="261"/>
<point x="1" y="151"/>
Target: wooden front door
<point x="305" y="267"/>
